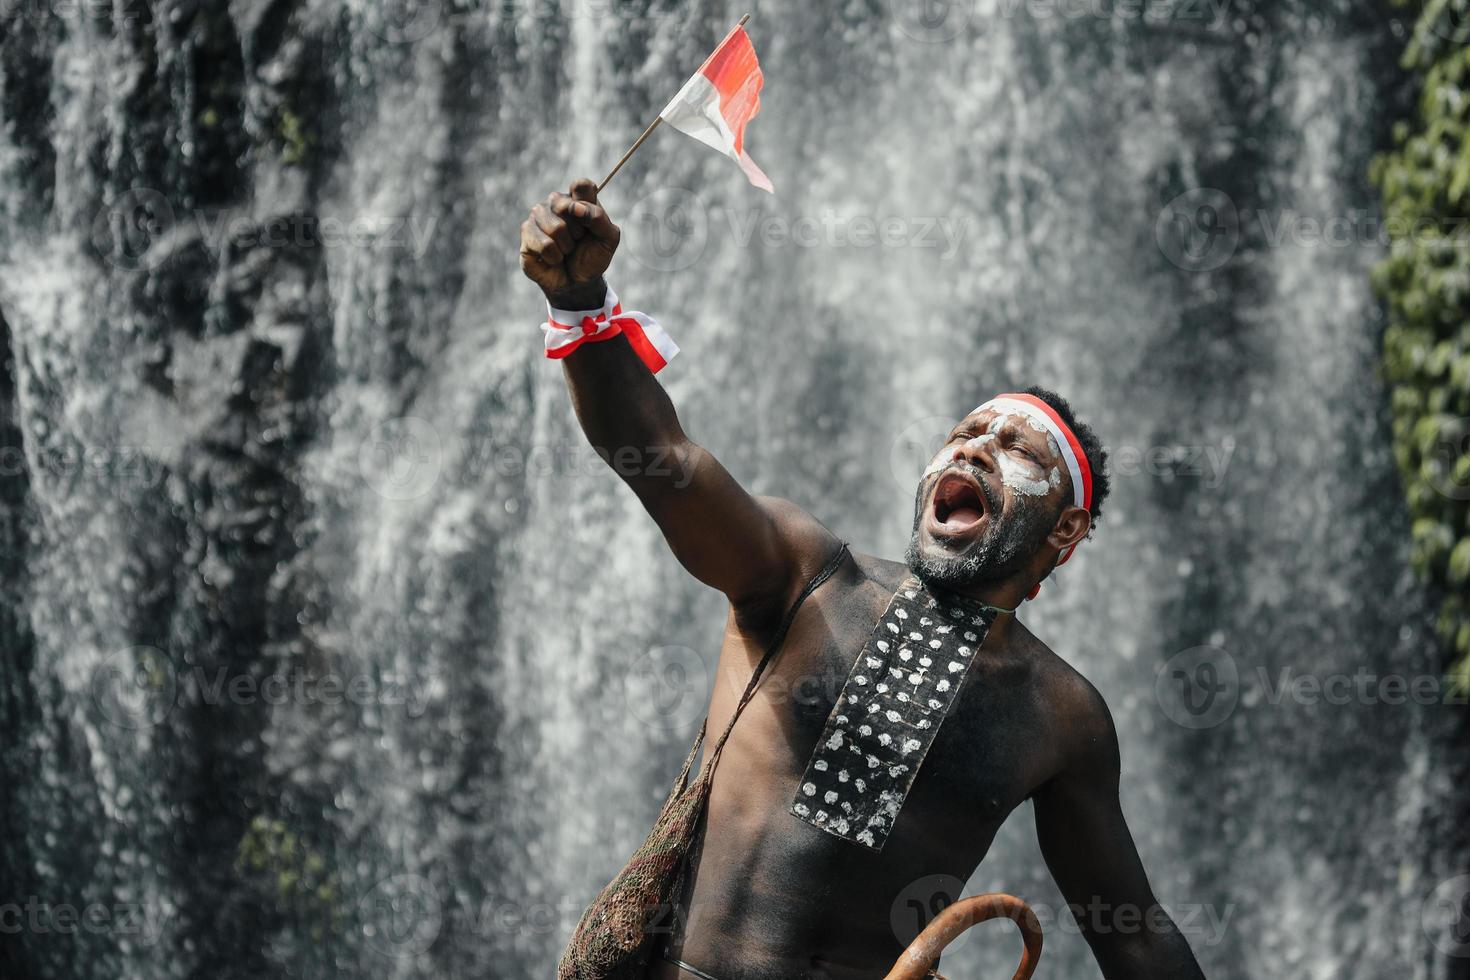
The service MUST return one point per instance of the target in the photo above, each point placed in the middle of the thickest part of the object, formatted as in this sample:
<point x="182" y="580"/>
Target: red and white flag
<point x="720" y="100"/>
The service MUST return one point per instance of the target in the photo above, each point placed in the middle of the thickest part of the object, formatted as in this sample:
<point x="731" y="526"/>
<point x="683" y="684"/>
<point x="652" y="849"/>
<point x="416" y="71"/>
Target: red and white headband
<point x="1071" y="449"/>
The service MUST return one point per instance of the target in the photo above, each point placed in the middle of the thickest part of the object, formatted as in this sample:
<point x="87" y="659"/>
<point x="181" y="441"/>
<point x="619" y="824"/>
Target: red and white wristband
<point x="566" y="330"/>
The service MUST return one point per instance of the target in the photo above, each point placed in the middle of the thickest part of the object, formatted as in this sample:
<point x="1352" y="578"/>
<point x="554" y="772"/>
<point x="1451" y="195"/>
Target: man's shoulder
<point x="813" y="543"/>
<point x="1077" y="708"/>
<point x="882" y="571"/>
<point x="1060" y="677"/>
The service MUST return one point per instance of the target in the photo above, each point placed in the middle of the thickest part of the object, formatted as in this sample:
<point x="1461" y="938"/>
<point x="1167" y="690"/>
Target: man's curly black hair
<point x="1092" y="447"/>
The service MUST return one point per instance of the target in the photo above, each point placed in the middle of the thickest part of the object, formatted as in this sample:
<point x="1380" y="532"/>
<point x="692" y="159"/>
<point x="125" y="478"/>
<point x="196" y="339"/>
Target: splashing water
<point x="275" y="413"/>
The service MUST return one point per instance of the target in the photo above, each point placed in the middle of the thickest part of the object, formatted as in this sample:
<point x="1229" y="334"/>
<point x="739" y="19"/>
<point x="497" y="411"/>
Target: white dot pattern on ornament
<point x="936" y="640"/>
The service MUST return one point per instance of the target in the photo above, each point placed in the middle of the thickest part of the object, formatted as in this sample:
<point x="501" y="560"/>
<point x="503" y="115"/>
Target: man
<point x="908" y="711"/>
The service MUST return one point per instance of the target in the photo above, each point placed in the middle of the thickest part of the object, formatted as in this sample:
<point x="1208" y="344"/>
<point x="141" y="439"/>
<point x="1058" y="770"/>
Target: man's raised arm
<point x="752" y="549"/>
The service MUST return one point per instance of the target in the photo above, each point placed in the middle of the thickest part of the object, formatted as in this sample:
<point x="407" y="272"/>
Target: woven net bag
<point x="616" y="936"/>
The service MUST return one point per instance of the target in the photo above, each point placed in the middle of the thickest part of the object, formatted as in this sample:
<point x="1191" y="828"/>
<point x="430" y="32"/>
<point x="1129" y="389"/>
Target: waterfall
<point x="274" y="411"/>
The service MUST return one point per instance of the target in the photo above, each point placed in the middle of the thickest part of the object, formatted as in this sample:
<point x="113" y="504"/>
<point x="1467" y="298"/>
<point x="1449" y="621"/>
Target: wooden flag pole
<point x="646" y="133"/>
<point x="631" y="150"/>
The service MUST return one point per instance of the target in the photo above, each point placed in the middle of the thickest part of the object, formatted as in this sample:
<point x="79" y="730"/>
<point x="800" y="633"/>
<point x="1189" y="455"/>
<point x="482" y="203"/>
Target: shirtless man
<point x="780" y="887"/>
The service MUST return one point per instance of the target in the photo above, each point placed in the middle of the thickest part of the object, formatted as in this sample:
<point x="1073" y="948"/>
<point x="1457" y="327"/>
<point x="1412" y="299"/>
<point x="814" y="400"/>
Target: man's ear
<point x="1070" y="528"/>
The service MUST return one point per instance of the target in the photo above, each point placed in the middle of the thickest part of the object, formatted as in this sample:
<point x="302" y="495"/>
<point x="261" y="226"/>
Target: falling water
<point x="274" y="409"/>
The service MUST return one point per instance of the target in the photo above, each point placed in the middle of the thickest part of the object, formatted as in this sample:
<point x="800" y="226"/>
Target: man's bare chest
<point x="980" y="759"/>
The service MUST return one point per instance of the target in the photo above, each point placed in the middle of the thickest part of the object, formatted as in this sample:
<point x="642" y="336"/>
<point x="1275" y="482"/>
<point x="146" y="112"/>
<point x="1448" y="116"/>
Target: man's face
<point x="987" y="501"/>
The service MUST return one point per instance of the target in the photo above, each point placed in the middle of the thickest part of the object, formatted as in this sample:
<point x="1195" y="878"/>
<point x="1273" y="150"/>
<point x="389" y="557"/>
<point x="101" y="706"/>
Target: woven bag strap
<point x="682" y="782"/>
<point x="771" y="651"/>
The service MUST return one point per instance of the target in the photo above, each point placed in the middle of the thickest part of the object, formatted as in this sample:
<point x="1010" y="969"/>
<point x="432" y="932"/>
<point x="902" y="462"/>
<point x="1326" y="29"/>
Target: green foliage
<point x="291" y="875"/>
<point x="293" y="136"/>
<point x="1425" y="282"/>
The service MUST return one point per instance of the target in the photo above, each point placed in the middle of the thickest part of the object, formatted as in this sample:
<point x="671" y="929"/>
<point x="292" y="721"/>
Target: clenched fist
<point x="566" y="246"/>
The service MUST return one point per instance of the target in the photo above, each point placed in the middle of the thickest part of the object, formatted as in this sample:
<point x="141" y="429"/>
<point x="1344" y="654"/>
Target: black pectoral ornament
<point x="891" y="707"/>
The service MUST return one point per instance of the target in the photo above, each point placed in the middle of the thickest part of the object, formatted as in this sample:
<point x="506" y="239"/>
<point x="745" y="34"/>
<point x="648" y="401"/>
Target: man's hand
<point x="758" y="552"/>
<point x="567" y="244"/>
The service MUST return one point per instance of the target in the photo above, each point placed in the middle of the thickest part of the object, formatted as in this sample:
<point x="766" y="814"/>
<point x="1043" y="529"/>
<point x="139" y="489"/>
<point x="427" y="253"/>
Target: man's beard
<point x="1005" y="547"/>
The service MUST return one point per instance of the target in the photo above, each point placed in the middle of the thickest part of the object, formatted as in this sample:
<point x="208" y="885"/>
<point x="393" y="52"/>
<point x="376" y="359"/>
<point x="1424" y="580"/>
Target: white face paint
<point x="1022" y="476"/>
<point x="980" y="442"/>
<point x="939" y="462"/>
<point x="1032" y="421"/>
<point x="1019" y="474"/>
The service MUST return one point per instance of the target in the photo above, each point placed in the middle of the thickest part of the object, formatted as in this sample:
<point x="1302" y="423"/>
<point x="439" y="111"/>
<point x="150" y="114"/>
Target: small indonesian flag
<point x="720" y="100"/>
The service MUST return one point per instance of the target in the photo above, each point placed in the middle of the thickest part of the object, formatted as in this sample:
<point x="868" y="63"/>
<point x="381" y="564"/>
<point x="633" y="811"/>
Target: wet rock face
<point x="330" y="649"/>
<point x="153" y="527"/>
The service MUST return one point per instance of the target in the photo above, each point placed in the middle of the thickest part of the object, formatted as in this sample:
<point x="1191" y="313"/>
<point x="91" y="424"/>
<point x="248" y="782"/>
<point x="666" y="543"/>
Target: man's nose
<point x="978" y="452"/>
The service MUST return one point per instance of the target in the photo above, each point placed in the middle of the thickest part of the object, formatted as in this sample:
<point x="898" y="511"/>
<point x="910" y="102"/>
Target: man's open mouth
<point x="959" y="503"/>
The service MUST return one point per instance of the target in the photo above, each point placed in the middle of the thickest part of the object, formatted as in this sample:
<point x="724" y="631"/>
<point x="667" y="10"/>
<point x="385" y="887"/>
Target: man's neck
<point x="1003" y="596"/>
<point x="1006" y="596"/>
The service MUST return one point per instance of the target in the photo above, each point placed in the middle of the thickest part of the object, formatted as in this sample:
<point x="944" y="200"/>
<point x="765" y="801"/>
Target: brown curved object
<point x="923" y="952"/>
